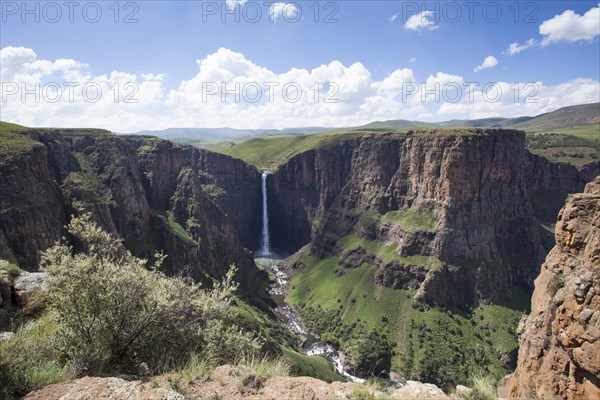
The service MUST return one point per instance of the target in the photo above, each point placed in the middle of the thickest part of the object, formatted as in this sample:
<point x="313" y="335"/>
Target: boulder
<point x="419" y="391"/>
<point x="27" y="284"/>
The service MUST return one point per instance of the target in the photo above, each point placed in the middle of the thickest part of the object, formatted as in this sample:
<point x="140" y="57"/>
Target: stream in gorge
<point x="311" y="343"/>
<point x="275" y="266"/>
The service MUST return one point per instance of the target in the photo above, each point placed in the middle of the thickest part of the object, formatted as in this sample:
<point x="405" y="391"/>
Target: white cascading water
<point x="265" y="229"/>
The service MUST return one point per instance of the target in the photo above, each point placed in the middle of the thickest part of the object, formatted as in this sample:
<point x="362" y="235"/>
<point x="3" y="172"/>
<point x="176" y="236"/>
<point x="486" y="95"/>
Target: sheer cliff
<point x="560" y="339"/>
<point x="198" y="207"/>
<point x="463" y="215"/>
<point x="460" y="215"/>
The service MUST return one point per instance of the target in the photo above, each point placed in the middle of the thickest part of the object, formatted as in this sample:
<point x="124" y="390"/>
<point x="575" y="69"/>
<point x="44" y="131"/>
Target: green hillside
<point x="14" y="138"/>
<point x="449" y="343"/>
<point x="271" y="151"/>
<point x="566" y="118"/>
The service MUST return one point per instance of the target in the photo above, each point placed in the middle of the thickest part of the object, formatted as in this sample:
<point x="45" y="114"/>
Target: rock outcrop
<point x="153" y="194"/>
<point x="26" y="285"/>
<point x="464" y="209"/>
<point x="559" y="354"/>
<point x="89" y="388"/>
<point x="226" y="382"/>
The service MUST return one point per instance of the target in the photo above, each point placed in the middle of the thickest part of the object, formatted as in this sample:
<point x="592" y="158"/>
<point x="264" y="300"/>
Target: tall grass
<point x="197" y="366"/>
<point x="29" y="359"/>
<point x="266" y="367"/>
<point x="482" y="388"/>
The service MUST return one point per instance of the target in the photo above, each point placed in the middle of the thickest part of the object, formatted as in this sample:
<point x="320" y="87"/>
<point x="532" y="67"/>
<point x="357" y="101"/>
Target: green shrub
<point x="8" y="272"/>
<point x="556" y="283"/>
<point x="112" y="313"/>
<point x="369" y="354"/>
<point x="228" y="343"/>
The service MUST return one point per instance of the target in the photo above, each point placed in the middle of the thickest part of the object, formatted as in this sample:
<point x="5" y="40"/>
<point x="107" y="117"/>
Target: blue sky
<point x="170" y="37"/>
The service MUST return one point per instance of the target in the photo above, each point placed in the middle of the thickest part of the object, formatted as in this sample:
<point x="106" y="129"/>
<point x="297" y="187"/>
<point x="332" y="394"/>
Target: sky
<point x="137" y="65"/>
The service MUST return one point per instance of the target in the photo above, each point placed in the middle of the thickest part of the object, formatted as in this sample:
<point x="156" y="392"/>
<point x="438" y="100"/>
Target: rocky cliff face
<point x="152" y="193"/>
<point x="231" y="183"/>
<point x="455" y="206"/>
<point x="31" y="213"/>
<point x="559" y="354"/>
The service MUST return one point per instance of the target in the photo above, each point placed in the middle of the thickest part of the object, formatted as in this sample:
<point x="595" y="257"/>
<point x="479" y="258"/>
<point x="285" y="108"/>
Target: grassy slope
<point x="477" y="339"/>
<point x="575" y="147"/>
<point x="566" y="117"/>
<point x="213" y="145"/>
<point x="319" y="285"/>
<point x="9" y="129"/>
<point x="569" y="134"/>
<point x="272" y="151"/>
<point x="14" y="139"/>
<point x="589" y="132"/>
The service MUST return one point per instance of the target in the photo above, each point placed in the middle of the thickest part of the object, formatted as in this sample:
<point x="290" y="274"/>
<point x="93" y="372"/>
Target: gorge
<point x="391" y="235"/>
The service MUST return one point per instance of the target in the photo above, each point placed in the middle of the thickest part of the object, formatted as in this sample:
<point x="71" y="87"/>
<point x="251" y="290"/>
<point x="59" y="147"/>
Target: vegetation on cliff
<point x="445" y="346"/>
<point x="269" y="152"/>
<point x="108" y="313"/>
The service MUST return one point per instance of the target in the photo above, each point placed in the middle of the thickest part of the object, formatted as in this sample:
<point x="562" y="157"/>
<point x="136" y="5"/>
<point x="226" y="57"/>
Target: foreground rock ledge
<point x="559" y="355"/>
<point x="225" y="382"/>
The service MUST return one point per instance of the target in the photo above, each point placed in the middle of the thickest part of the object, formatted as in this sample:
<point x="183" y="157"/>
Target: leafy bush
<point x="8" y="272"/>
<point x="369" y="351"/>
<point x="113" y="314"/>
<point x="369" y="354"/>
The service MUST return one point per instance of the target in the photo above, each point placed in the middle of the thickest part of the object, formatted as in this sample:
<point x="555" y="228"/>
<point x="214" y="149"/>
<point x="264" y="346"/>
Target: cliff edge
<point x="559" y="355"/>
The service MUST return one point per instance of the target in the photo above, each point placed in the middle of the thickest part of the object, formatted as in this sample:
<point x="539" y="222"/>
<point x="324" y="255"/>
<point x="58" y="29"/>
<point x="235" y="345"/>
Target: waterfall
<point x="265" y="228"/>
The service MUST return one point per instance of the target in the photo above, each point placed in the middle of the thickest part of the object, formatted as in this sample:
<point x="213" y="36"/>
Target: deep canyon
<point x="454" y="218"/>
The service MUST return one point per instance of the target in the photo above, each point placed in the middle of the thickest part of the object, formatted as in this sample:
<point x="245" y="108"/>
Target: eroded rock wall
<point x="559" y="354"/>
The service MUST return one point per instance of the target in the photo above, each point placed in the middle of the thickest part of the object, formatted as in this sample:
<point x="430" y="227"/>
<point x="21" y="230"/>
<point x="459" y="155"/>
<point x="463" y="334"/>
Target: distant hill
<point x="224" y="134"/>
<point x="396" y="124"/>
<point x="494" y="122"/>
<point x="580" y="119"/>
<point x="566" y="117"/>
<point x="584" y="114"/>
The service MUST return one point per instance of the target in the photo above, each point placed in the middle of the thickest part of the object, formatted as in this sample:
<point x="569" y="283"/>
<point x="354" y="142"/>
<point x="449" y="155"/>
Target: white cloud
<point x="393" y="17"/>
<point x="360" y="97"/>
<point x="412" y="59"/>
<point x="288" y="11"/>
<point x="394" y="83"/>
<point x="442" y="79"/>
<point x="22" y="63"/>
<point x="566" y="27"/>
<point x="421" y="21"/>
<point x="232" y="4"/>
<point x="571" y="27"/>
<point x="516" y="47"/>
<point x="533" y="98"/>
<point x="489" y="62"/>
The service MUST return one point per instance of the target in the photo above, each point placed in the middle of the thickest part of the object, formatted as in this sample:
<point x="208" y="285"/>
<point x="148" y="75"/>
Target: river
<point x="311" y="343"/>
